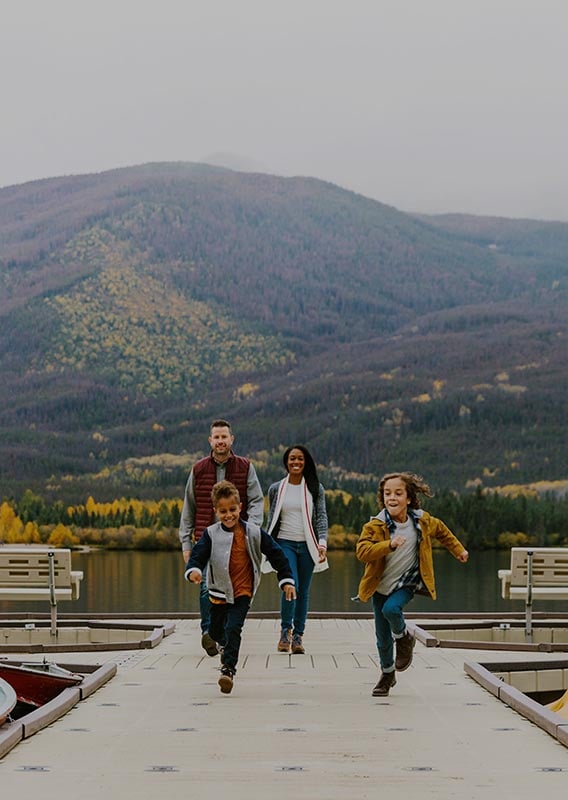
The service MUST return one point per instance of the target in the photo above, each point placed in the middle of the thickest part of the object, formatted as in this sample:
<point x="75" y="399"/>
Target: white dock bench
<point x="38" y="573"/>
<point x="536" y="573"/>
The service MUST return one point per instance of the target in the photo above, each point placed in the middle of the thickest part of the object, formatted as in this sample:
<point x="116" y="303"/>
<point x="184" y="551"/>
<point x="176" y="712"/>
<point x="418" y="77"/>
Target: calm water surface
<point x="153" y="582"/>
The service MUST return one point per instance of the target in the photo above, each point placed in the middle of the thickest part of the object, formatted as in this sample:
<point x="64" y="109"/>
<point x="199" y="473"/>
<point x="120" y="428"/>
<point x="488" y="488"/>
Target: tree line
<point x="482" y="520"/>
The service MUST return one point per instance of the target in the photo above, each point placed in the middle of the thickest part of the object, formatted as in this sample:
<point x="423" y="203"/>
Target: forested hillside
<point x="137" y="304"/>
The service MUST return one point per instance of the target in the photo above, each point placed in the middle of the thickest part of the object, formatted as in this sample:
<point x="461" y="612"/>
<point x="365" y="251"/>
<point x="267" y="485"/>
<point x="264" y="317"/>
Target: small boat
<point x="8" y="700"/>
<point x="560" y="706"/>
<point x="37" y="683"/>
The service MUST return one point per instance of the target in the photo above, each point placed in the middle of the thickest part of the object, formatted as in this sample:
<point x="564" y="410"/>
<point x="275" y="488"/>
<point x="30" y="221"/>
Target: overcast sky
<point x="427" y="105"/>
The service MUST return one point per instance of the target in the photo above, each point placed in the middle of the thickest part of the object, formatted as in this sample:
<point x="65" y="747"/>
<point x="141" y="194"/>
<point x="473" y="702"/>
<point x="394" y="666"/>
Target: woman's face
<point x="296" y="462"/>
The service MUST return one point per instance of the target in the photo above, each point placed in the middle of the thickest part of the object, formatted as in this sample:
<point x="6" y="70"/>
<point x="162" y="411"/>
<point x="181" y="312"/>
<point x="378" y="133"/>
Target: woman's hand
<point x="322" y="553"/>
<point x="289" y="591"/>
<point x="463" y="556"/>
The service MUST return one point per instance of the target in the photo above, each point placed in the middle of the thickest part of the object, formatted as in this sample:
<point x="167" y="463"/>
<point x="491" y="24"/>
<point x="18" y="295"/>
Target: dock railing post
<point x="528" y="602"/>
<point x="52" y="597"/>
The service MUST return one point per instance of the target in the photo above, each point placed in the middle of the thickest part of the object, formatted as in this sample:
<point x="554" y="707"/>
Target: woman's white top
<point x="291" y="517"/>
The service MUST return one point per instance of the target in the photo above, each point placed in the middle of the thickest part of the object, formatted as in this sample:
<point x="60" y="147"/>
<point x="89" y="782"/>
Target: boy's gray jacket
<point x="213" y="551"/>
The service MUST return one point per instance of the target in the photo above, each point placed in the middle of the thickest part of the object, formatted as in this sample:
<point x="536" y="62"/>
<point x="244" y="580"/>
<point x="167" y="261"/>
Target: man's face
<point x="221" y="442"/>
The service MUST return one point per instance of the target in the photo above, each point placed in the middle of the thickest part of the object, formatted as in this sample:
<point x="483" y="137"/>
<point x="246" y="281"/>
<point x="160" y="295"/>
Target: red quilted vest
<point x="205" y="477"/>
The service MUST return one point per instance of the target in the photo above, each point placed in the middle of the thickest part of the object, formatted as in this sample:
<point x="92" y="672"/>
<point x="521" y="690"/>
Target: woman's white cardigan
<point x="312" y="539"/>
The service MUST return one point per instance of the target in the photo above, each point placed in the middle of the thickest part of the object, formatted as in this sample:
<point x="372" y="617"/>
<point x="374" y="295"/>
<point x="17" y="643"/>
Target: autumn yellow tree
<point x="62" y="536"/>
<point x="30" y="534"/>
<point x="13" y="530"/>
<point x="11" y="526"/>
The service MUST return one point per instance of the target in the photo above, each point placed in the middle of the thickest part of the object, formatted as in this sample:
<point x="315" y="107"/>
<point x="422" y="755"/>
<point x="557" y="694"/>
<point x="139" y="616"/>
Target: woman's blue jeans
<point x="293" y="613"/>
<point x="389" y="622"/>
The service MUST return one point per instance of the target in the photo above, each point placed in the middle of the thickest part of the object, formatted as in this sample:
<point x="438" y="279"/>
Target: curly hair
<point x="415" y="486"/>
<point x="223" y="491"/>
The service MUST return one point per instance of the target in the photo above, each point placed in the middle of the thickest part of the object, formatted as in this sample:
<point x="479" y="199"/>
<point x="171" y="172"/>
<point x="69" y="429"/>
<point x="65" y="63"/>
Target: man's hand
<point x="195" y="576"/>
<point x="289" y="591"/>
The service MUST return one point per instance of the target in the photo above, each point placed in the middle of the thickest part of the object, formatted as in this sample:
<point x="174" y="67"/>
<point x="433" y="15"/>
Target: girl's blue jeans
<point x="389" y="622"/>
<point x="293" y="613"/>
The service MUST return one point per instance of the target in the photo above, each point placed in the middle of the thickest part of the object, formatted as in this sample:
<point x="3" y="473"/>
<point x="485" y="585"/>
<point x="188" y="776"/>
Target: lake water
<point x="142" y="582"/>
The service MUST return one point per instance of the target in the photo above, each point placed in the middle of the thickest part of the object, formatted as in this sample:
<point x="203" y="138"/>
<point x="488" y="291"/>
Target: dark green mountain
<point x="137" y="304"/>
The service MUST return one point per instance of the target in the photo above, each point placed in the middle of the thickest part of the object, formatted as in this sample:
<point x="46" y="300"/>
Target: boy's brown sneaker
<point x="209" y="644"/>
<point x="385" y="684"/>
<point x="404" y="651"/>
<point x="297" y="645"/>
<point x="284" y="643"/>
<point x="226" y="680"/>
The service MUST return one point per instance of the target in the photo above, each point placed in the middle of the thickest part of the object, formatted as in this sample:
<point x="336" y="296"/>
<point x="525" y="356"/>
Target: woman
<point x="297" y="518"/>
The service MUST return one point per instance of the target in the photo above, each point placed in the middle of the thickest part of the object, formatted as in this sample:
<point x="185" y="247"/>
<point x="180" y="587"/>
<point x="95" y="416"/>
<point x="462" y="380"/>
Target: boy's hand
<point x="463" y="556"/>
<point x="195" y="576"/>
<point x="289" y="591"/>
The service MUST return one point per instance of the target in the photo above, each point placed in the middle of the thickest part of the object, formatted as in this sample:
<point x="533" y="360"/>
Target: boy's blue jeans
<point x="389" y="622"/>
<point x="204" y="606"/>
<point x="227" y="620"/>
<point x="293" y="613"/>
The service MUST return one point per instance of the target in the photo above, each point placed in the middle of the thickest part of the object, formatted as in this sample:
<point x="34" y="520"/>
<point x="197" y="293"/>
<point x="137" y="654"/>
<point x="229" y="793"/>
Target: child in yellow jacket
<point x="396" y="548"/>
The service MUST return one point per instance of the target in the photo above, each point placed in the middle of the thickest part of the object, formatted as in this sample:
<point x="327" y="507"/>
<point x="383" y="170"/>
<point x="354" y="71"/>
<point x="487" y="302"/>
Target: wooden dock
<point x="294" y="727"/>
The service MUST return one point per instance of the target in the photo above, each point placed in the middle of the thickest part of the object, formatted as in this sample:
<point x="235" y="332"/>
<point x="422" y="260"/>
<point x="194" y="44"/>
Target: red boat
<point x="37" y="684"/>
<point x="8" y="700"/>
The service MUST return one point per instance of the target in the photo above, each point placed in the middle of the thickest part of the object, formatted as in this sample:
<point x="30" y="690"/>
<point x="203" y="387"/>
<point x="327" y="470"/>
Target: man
<point x="197" y="513"/>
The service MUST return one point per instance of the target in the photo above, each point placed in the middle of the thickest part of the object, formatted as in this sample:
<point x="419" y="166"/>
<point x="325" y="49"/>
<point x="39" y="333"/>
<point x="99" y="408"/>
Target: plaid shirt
<point x="411" y="578"/>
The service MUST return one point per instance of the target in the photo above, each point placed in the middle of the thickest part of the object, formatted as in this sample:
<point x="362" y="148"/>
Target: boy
<point x="396" y="548"/>
<point x="232" y="550"/>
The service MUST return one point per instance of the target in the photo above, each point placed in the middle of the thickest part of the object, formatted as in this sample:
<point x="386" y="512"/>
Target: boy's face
<point x="228" y="510"/>
<point x="395" y="499"/>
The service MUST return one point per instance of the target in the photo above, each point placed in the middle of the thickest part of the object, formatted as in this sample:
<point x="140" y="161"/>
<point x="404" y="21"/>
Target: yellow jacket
<point x="373" y="547"/>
